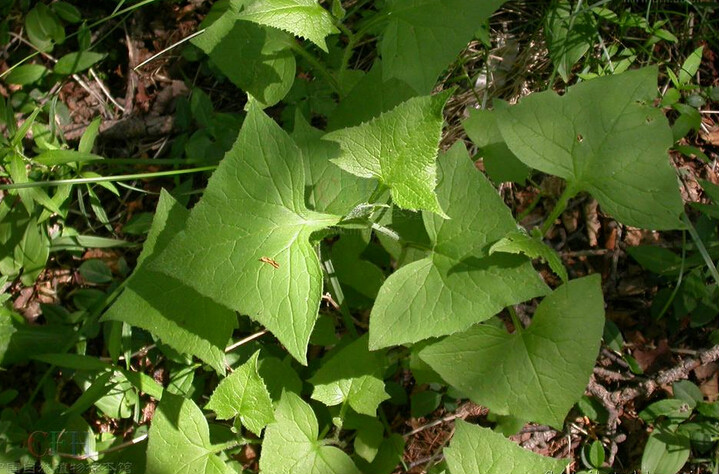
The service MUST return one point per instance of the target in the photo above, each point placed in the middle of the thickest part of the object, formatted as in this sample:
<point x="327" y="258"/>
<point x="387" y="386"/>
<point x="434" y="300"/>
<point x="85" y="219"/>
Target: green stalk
<point x="321" y="68"/>
<point x="679" y="279"/>
<point x="518" y="327"/>
<point x="340" y="298"/>
<point x="561" y="205"/>
<point x="102" y="179"/>
<point x="702" y="249"/>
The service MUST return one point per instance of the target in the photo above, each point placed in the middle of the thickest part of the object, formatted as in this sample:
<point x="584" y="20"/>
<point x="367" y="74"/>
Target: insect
<point x="269" y="261"/>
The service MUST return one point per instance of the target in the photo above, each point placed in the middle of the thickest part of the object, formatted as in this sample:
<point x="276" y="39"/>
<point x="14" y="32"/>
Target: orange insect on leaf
<point x="269" y="261"/>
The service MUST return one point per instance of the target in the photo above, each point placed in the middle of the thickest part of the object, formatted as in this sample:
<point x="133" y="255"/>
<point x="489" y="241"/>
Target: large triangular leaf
<point x="604" y="137"/>
<point x="303" y="18"/>
<point x="179" y="440"/>
<point x="354" y="375"/>
<point x="424" y="36"/>
<point x="399" y="148"/>
<point x="246" y="244"/>
<point x="499" y="162"/>
<point x="371" y="96"/>
<point x="291" y="445"/>
<point x="168" y="308"/>
<point x="330" y="188"/>
<point x="255" y="58"/>
<point x="243" y="394"/>
<point x="534" y="374"/>
<point x="458" y="284"/>
<point x="478" y="450"/>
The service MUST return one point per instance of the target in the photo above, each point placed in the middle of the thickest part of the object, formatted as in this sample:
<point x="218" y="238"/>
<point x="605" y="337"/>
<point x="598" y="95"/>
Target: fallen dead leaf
<point x="591" y="219"/>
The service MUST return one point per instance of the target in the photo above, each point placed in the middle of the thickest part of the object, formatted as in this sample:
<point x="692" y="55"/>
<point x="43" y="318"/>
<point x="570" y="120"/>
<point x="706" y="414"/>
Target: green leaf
<point x="666" y="452"/>
<point x="76" y="62"/>
<point x="114" y="400"/>
<point x="569" y="36"/>
<point x="603" y="137"/>
<point x="63" y="157"/>
<point x="691" y="66"/>
<point x="672" y="409"/>
<point x="499" y="162"/>
<point x="352" y="375"/>
<point x="303" y="18"/>
<point x="369" y="438"/>
<point x="179" y="440"/>
<point x="33" y="251"/>
<point x="656" y="259"/>
<point x="519" y="374"/>
<point x="87" y="141"/>
<point x="73" y="361"/>
<point x="26" y="74"/>
<point x="243" y="393"/>
<point x="20" y="342"/>
<point x="424" y="403"/>
<point x="258" y="259"/>
<point x="519" y="241"/>
<point x="95" y="271"/>
<point x="331" y="189"/>
<point x="291" y="445"/>
<point x="399" y="148"/>
<point x="458" y="284"/>
<point x="364" y="277"/>
<point x="478" y="450"/>
<point x="44" y="29"/>
<point x="371" y="96"/>
<point x="66" y="11"/>
<point x="423" y="37"/>
<point x="256" y="59"/>
<point x="688" y="392"/>
<point x="279" y="376"/>
<point x="387" y="458"/>
<point x="168" y="308"/>
<point x="596" y="454"/>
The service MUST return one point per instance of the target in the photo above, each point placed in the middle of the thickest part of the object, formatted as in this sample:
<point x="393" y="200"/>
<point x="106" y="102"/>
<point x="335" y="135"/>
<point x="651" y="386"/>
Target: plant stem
<point x="665" y="308"/>
<point x="561" y="205"/>
<point x="518" y="328"/>
<point x="377" y="193"/>
<point x="321" y="68"/>
<point x="339" y="422"/>
<point x="101" y="179"/>
<point x="340" y="298"/>
<point x="702" y="249"/>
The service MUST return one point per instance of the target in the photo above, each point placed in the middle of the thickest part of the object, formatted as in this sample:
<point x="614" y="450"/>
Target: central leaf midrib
<point x="523" y="344"/>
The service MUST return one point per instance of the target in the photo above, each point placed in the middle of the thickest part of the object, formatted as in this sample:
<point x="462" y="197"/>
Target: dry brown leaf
<point x="591" y="219"/>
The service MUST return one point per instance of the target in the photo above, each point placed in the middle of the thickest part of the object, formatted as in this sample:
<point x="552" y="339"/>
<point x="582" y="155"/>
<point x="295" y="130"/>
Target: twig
<point x="611" y="375"/>
<point x="245" y="340"/>
<point x="672" y="375"/>
<point x="172" y="46"/>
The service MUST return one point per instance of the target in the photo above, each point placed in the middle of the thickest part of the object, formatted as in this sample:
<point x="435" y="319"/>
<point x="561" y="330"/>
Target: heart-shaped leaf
<point x="423" y="37"/>
<point x="478" y="450"/>
<point x="291" y="445"/>
<point x="354" y="375"/>
<point x="246" y="244"/>
<point x="303" y="18"/>
<point x="399" y="148"/>
<point x="459" y="283"/>
<point x="604" y="137"/>
<point x="168" y="308"/>
<point x="243" y="394"/>
<point x="179" y="440"/>
<point x="535" y="374"/>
